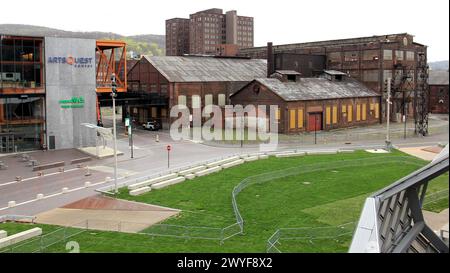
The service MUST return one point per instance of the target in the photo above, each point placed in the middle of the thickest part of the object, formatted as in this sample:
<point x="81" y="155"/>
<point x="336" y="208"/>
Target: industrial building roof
<point x="438" y="77"/>
<point x="288" y="72"/>
<point x="334" y="72"/>
<point x="208" y="69"/>
<point x="317" y="89"/>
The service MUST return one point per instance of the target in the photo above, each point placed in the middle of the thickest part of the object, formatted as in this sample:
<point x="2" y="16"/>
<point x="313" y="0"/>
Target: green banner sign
<point x="74" y="102"/>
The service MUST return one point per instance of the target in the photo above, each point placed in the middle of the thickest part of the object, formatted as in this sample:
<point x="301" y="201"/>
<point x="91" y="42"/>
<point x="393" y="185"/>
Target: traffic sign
<point x="169" y="148"/>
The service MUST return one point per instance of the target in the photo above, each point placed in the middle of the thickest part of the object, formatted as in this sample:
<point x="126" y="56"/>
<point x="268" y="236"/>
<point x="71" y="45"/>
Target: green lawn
<point x="326" y="197"/>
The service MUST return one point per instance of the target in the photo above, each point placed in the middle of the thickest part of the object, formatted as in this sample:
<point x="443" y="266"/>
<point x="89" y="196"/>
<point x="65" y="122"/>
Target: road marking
<point x="36" y="177"/>
<point x="58" y="193"/>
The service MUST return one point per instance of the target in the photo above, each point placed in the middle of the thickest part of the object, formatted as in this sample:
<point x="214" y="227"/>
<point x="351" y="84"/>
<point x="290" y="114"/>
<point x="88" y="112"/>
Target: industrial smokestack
<point x="270" y="60"/>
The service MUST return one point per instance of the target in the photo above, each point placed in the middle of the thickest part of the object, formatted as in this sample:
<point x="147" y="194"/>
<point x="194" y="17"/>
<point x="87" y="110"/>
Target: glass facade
<point x="22" y="94"/>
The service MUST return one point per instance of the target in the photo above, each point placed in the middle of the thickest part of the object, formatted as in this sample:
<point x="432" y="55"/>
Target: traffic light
<point x="113" y="85"/>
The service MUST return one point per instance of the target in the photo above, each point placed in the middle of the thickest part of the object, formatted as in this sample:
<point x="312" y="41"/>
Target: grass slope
<point x="331" y="197"/>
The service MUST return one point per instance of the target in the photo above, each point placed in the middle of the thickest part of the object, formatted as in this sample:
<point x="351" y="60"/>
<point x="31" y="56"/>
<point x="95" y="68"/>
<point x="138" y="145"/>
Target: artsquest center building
<point x="47" y="91"/>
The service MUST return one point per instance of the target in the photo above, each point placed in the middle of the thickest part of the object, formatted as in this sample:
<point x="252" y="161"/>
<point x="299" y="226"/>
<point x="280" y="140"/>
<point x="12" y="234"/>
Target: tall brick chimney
<point x="270" y="60"/>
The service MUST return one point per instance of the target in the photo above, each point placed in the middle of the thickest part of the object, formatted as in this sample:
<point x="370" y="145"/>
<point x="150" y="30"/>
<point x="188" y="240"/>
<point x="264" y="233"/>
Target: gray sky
<point x="279" y="21"/>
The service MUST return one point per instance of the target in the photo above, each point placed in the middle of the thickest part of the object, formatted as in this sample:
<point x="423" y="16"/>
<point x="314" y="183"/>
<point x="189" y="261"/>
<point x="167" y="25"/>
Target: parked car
<point x="152" y="126"/>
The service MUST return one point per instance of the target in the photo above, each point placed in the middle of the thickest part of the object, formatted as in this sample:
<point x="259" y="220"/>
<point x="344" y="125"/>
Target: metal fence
<point x="267" y="177"/>
<point x="308" y="234"/>
<point x="338" y="136"/>
<point x="43" y="243"/>
<point x="435" y="197"/>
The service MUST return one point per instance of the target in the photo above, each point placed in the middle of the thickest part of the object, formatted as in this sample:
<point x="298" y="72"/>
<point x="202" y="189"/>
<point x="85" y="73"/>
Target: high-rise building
<point x="177" y="36"/>
<point x="209" y="32"/>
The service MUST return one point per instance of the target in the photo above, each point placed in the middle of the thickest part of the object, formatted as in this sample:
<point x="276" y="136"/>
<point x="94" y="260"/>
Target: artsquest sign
<point x="74" y="102"/>
<point x="79" y="62"/>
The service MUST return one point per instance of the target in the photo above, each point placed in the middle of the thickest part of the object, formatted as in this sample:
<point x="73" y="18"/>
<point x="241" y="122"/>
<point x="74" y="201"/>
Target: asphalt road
<point x="150" y="157"/>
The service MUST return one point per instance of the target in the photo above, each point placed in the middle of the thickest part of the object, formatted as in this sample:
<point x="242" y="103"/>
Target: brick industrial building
<point x="438" y="85"/>
<point x="313" y="104"/>
<point x="209" y="32"/>
<point x="370" y="60"/>
<point x="193" y="81"/>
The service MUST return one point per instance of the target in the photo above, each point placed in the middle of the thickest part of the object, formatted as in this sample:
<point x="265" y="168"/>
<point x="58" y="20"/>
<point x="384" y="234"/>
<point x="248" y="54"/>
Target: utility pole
<point x="388" y="111"/>
<point x="113" y="95"/>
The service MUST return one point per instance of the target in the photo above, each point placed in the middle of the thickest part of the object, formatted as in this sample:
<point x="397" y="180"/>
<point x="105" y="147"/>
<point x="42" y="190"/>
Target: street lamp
<point x="113" y="95"/>
<point x="388" y="106"/>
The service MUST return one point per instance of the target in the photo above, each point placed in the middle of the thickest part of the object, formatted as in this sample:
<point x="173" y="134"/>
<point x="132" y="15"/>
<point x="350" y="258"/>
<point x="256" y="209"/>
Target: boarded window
<point x="196" y="101"/>
<point x="371" y="55"/>
<point x="221" y="99"/>
<point x="153" y="88"/>
<point x="410" y="55"/>
<point x="300" y="118"/>
<point x="387" y="55"/>
<point x="377" y="110"/>
<point x="292" y="114"/>
<point x="370" y="75"/>
<point x="335" y="114"/>
<point x="350" y="113"/>
<point x="364" y="111"/>
<point x="328" y="115"/>
<point x="154" y="112"/>
<point x="208" y="99"/>
<point x="358" y="112"/>
<point x="399" y="55"/>
<point x="163" y="112"/>
<point x="278" y="114"/>
<point x="344" y="109"/>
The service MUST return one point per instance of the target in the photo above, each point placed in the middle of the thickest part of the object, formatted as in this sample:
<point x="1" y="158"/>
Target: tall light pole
<point x="388" y="106"/>
<point x="113" y="95"/>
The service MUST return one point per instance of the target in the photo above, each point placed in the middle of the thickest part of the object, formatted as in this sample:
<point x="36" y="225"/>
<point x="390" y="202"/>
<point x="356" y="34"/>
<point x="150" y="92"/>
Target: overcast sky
<point x="279" y="21"/>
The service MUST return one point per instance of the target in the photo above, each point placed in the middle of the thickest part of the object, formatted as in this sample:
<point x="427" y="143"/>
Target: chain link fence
<point x="308" y="234"/>
<point x="43" y="243"/>
<point x="435" y="197"/>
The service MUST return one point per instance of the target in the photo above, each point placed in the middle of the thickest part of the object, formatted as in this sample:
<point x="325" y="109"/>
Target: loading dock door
<point x="314" y="122"/>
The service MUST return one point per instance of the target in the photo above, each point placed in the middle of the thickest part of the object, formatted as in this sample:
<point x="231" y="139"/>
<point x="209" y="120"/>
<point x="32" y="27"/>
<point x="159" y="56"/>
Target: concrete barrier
<point x="291" y="154"/>
<point x="87" y="184"/>
<point x="233" y="163"/>
<point x="19" y="237"/>
<point x="65" y="190"/>
<point x="49" y="166"/>
<point x="251" y="158"/>
<point x="243" y="156"/>
<point x="11" y="204"/>
<point x="140" y="191"/>
<point x="332" y="152"/>
<point x="208" y="171"/>
<point x="80" y="160"/>
<point x="152" y="181"/>
<point x="346" y="151"/>
<point x="192" y="170"/>
<point x="189" y="176"/>
<point x="3" y="234"/>
<point x="221" y="162"/>
<point x="169" y="182"/>
<point x="39" y="196"/>
<point x="263" y="156"/>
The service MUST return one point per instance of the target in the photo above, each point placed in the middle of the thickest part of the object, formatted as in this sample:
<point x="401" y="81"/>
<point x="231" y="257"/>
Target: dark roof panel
<point x="208" y="69"/>
<point x="317" y="89"/>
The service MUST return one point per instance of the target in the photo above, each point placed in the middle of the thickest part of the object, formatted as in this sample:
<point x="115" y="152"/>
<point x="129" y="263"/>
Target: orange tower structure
<point x="111" y="57"/>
